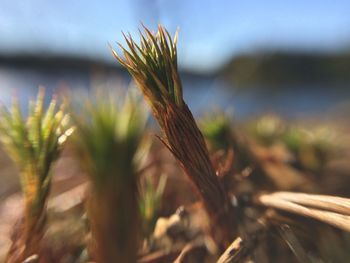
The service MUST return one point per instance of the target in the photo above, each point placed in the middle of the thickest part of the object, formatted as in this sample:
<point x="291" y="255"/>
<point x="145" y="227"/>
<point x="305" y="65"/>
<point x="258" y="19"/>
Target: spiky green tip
<point x="153" y="65"/>
<point x="35" y="142"/>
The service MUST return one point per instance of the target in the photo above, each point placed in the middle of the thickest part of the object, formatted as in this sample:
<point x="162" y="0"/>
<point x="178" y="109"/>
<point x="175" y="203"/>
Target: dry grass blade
<point x="327" y="202"/>
<point x="326" y="215"/>
<point x="153" y="66"/>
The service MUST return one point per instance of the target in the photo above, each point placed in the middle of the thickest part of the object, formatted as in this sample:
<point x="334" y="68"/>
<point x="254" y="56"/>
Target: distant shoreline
<point x="271" y="69"/>
<point x="53" y="61"/>
<point x="59" y="62"/>
<point x="276" y="68"/>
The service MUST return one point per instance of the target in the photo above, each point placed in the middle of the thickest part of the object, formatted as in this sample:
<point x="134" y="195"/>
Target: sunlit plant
<point x="108" y="136"/>
<point x="33" y="143"/>
<point x="153" y="66"/>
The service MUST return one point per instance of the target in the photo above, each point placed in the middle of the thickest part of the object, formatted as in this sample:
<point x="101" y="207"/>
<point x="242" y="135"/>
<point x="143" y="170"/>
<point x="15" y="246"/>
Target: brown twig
<point x="192" y="252"/>
<point x="242" y="247"/>
<point x="237" y="250"/>
<point x="160" y="256"/>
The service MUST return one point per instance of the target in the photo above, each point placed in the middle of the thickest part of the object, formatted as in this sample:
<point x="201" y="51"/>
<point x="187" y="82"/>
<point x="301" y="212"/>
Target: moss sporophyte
<point x="153" y="65"/>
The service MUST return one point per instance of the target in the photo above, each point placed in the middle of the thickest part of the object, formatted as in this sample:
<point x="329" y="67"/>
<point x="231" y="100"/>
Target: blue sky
<point x="210" y="31"/>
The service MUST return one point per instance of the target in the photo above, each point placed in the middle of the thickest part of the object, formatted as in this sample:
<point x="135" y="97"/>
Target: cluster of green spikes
<point x="153" y="65"/>
<point x="34" y="143"/>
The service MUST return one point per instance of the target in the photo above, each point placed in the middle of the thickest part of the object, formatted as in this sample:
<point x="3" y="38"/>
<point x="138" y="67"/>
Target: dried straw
<point x="332" y="210"/>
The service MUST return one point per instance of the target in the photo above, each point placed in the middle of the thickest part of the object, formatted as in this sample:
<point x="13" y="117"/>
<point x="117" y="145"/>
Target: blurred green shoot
<point x="150" y="201"/>
<point x="217" y="130"/>
<point x="268" y="129"/>
<point x="109" y="135"/>
<point x="311" y="147"/>
<point x="34" y="144"/>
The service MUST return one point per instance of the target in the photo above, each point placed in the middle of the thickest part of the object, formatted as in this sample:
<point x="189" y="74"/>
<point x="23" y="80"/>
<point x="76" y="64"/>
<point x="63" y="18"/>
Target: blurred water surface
<point x="202" y="92"/>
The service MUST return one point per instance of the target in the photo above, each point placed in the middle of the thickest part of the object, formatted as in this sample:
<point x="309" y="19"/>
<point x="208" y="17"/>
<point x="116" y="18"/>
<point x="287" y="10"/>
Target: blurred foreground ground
<point x="66" y="207"/>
